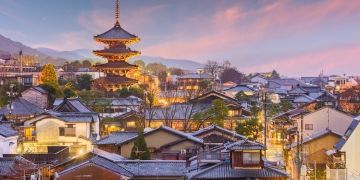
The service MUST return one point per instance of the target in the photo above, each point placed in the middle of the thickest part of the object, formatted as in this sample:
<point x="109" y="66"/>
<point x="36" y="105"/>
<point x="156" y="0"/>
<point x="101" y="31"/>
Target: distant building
<point x="258" y="78"/>
<point x="20" y="110"/>
<point x="37" y="96"/>
<point x="192" y="81"/>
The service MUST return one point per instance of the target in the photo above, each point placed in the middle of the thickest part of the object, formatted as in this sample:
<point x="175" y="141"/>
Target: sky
<point x="297" y="38"/>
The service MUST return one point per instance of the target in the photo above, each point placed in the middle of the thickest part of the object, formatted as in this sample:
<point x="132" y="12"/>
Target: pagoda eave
<point x="114" y="41"/>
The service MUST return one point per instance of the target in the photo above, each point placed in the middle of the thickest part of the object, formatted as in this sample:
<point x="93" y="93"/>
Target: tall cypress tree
<point x="140" y="149"/>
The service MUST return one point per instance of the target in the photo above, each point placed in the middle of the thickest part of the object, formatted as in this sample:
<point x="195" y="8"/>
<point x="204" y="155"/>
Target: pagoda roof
<point x="117" y="33"/>
<point x="116" y="64"/>
<point x="115" y="50"/>
<point x="111" y="79"/>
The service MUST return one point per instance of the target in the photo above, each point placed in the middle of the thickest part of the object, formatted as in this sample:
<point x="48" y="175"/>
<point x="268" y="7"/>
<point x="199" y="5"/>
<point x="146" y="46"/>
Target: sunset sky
<point x="301" y="37"/>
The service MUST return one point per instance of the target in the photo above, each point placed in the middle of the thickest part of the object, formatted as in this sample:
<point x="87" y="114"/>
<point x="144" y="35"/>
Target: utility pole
<point x="11" y="94"/>
<point x="299" y="147"/>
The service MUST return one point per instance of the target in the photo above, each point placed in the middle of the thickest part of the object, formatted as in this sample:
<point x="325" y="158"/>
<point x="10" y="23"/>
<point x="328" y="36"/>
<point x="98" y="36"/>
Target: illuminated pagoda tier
<point x="119" y="73"/>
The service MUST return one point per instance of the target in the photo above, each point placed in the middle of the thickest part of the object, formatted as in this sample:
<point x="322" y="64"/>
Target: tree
<point x="84" y="82"/>
<point x="69" y="90"/>
<point x="212" y="67"/>
<point x="86" y="64"/>
<point x="131" y="91"/>
<point x="18" y="88"/>
<point x="275" y="75"/>
<point x="250" y="128"/>
<point x="156" y="68"/>
<point x="242" y="97"/>
<point x="215" y="114"/>
<point x="140" y="149"/>
<point x="53" y="92"/>
<point x="139" y="63"/>
<point x="231" y="74"/>
<point x="48" y="75"/>
<point x="176" y="71"/>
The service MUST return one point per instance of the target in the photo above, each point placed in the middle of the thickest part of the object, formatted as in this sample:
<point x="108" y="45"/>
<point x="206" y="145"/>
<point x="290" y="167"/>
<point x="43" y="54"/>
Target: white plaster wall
<point x="338" y="121"/>
<point x="5" y="147"/>
<point x="352" y="150"/>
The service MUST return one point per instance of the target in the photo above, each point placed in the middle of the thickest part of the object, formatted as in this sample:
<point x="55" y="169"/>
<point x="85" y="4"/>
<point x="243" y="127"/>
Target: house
<point x="163" y="143"/>
<point x="237" y="160"/>
<point x="36" y="95"/>
<point x="95" y="165"/>
<point x="70" y="124"/>
<point x="8" y="139"/>
<point x="319" y="81"/>
<point x="232" y="91"/>
<point x="284" y="84"/>
<point x="314" y="148"/>
<point x="344" y="158"/>
<point x="101" y="165"/>
<point x="258" y="78"/>
<point x="20" y="109"/>
<point x="108" y="107"/>
<point x="216" y="136"/>
<point x="324" y="118"/>
<point x="124" y="122"/>
<point x="16" y="168"/>
<point x="192" y="81"/>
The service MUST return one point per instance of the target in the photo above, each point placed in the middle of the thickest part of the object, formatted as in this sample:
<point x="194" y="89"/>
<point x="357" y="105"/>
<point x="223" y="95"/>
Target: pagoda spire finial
<point x="117" y="13"/>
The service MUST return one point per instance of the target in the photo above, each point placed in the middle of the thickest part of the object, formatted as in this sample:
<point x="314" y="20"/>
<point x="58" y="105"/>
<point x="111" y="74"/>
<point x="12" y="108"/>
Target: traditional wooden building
<point x="119" y="73"/>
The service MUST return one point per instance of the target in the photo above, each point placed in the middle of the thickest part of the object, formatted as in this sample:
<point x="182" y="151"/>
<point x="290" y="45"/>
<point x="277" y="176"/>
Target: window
<point x="251" y="158"/>
<point x="67" y="131"/>
<point x="130" y="124"/>
<point x="309" y="127"/>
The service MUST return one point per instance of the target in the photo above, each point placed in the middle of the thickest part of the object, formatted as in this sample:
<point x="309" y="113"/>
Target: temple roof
<point x="115" y="50"/>
<point x="116" y="79"/>
<point x="117" y="64"/>
<point x="117" y="33"/>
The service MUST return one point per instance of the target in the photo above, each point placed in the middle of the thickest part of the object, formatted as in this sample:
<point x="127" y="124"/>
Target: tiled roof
<point x="116" y="79"/>
<point x="7" y="131"/>
<point x="20" y="106"/>
<point x="12" y="166"/>
<point x="74" y="117"/>
<point x="316" y="136"/>
<point x="223" y="170"/>
<point x="116" y="138"/>
<point x="303" y="99"/>
<point x="214" y="127"/>
<point x="196" y="76"/>
<point x="117" y="64"/>
<point x="72" y="104"/>
<point x="244" y="145"/>
<point x="154" y="168"/>
<point x="354" y="124"/>
<point x="40" y="89"/>
<point x="122" y="137"/>
<point x="117" y="51"/>
<point x="117" y="32"/>
<point x="239" y="88"/>
<point x="99" y="161"/>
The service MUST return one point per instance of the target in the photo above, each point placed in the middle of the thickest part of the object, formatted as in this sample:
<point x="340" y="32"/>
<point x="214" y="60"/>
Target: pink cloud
<point x="234" y="27"/>
<point x="334" y="60"/>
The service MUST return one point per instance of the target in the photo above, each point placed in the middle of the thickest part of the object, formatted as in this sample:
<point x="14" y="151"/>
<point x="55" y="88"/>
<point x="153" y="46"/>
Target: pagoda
<point x="119" y="73"/>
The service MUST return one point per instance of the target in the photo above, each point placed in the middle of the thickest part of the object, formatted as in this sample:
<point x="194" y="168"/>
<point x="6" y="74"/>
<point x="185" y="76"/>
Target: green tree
<point x="242" y="97"/>
<point x="140" y="149"/>
<point x="250" y="128"/>
<point x="156" y="68"/>
<point x="275" y="75"/>
<point x="84" y="82"/>
<point x="86" y="64"/>
<point x="69" y="90"/>
<point x="215" y="114"/>
<point x="53" y="92"/>
<point x="49" y="76"/>
<point x="131" y="91"/>
<point x="139" y="63"/>
<point x="4" y="98"/>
